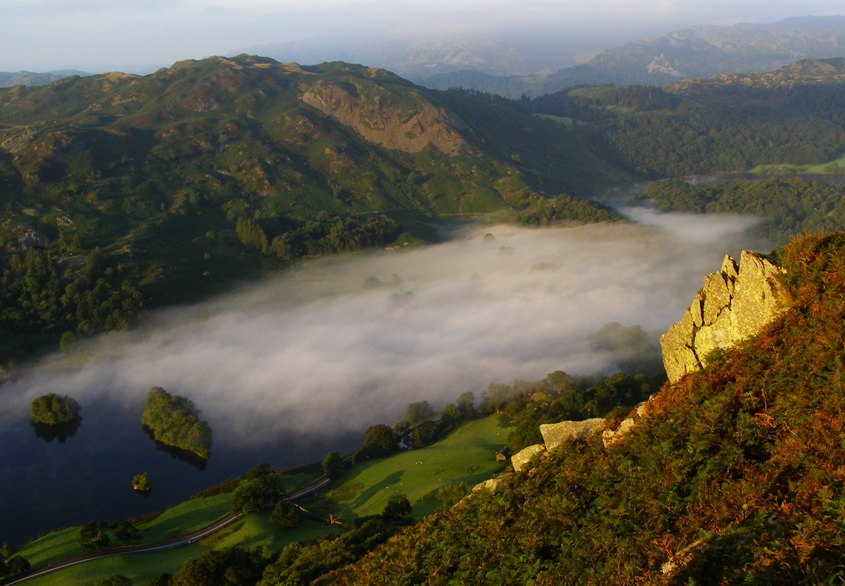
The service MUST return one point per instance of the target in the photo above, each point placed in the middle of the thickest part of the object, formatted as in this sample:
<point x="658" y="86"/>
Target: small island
<point x="141" y="483"/>
<point x="53" y="409"/>
<point x="174" y="421"/>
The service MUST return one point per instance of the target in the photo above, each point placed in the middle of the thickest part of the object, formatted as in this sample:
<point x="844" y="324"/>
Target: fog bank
<point x="339" y="344"/>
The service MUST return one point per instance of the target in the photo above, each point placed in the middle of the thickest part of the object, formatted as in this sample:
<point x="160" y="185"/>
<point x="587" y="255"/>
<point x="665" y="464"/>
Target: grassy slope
<point x="467" y="455"/>
<point x="175" y="521"/>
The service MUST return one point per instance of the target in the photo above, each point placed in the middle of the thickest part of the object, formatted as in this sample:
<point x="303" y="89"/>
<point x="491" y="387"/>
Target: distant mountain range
<point x="513" y="66"/>
<point x="697" y="52"/>
<point x="421" y="58"/>
<point x="13" y="78"/>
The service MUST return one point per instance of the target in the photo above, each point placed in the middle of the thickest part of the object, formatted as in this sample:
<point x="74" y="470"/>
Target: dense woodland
<point x="655" y="133"/>
<point x="147" y="192"/>
<point x="93" y="229"/>
<point x="785" y="206"/>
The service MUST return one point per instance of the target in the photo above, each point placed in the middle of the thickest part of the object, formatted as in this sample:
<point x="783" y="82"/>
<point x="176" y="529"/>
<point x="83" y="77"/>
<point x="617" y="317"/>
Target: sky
<point x="141" y="35"/>
<point x="342" y="343"/>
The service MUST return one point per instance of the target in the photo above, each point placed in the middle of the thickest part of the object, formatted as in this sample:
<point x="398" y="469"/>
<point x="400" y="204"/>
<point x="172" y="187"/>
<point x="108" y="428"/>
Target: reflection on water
<point x="53" y="480"/>
<point x="178" y="453"/>
<point x="58" y="432"/>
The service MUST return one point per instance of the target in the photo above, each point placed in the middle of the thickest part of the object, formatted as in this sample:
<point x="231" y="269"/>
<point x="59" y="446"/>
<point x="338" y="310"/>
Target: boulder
<point x="610" y="437"/>
<point x="490" y="484"/>
<point x="522" y="458"/>
<point x="554" y="434"/>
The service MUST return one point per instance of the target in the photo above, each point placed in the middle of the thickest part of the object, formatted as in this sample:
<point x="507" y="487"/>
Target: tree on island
<point x="53" y="409"/>
<point x="174" y="421"/>
<point x="141" y="482"/>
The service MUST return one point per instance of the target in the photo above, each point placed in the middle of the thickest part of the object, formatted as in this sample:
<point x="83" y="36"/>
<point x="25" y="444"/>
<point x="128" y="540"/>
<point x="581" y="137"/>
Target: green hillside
<point x="734" y="476"/>
<point x="119" y="192"/>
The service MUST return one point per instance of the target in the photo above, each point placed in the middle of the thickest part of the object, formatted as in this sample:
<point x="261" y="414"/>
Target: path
<point x="219" y="524"/>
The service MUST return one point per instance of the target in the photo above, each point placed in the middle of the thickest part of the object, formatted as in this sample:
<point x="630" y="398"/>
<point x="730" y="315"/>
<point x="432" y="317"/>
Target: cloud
<point x="339" y="344"/>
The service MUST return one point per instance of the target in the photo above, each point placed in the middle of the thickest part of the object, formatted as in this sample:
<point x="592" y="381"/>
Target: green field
<point x="175" y="521"/>
<point x="139" y="568"/>
<point x="466" y="455"/>
<point x="834" y="167"/>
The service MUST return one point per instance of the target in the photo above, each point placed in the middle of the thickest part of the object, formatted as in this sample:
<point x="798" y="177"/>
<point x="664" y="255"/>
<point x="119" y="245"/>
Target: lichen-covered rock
<point x="490" y="484"/>
<point x="522" y="458"/>
<point x="733" y="305"/>
<point x="610" y="437"/>
<point x="554" y="434"/>
<point x="759" y="295"/>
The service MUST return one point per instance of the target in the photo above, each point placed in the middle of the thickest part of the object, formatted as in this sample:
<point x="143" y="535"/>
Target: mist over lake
<point x="291" y="367"/>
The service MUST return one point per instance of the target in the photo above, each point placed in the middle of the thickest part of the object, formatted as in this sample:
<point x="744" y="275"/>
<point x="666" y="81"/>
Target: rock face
<point x="733" y="305"/>
<point x="405" y="122"/>
<point x="522" y="458"/>
<point x="554" y="434"/>
<point x="611" y="437"/>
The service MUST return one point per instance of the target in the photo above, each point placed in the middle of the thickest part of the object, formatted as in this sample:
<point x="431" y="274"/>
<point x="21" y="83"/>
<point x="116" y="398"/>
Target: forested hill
<point x="120" y="191"/>
<point x="804" y="72"/>
<point x="704" y="127"/>
<point x="734" y="475"/>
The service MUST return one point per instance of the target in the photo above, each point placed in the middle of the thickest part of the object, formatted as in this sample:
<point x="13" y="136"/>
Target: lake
<point x="46" y="485"/>
<point x="281" y="366"/>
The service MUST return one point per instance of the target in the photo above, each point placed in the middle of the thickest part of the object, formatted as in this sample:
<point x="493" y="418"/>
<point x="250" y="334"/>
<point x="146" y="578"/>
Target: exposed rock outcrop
<point x="406" y="123"/>
<point x="554" y="434"/>
<point x="522" y="458"/>
<point x="491" y="484"/>
<point x="610" y="437"/>
<point x="733" y="305"/>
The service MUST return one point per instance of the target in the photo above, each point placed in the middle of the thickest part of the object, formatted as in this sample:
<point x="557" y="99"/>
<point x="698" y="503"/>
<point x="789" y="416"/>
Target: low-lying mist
<point x="339" y="344"/>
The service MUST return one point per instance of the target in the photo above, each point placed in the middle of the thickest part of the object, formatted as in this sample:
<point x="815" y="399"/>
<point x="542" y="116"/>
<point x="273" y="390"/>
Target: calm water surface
<point x="46" y="485"/>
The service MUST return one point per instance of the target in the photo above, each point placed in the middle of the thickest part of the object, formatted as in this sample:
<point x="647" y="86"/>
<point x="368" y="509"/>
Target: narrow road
<point x="315" y="486"/>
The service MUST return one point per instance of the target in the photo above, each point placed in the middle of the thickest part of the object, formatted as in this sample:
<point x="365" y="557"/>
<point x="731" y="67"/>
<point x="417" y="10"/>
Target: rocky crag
<point x="734" y="304"/>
